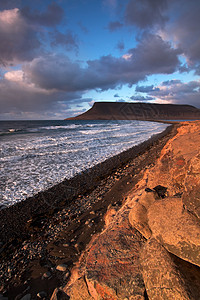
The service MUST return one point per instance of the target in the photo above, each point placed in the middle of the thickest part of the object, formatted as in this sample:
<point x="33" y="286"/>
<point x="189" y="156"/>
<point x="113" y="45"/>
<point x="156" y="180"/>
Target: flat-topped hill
<point x="139" y="111"/>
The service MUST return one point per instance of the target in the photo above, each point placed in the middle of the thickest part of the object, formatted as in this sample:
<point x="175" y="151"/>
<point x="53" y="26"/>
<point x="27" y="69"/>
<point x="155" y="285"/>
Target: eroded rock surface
<point x="113" y="262"/>
<point x="112" y="268"/>
<point x="80" y="291"/>
<point x="178" y="167"/>
<point x="175" y="228"/>
<point x="171" y="218"/>
<point x="161" y="277"/>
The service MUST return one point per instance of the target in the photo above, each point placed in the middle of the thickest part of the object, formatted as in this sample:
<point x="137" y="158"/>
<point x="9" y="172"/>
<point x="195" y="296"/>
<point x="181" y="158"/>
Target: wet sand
<point x="54" y="227"/>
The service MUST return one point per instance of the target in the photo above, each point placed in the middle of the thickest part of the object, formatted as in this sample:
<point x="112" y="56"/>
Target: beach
<point x="53" y="229"/>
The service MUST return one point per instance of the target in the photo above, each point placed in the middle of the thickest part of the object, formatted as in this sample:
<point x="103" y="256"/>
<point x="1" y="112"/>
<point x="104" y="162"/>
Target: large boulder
<point x="161" y="277"/>
<point x="175" y="228"/>
<point x="112" y="264"/>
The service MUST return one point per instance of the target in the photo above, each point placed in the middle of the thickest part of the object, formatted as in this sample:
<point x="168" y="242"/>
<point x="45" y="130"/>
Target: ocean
<point x="35" y="155"/>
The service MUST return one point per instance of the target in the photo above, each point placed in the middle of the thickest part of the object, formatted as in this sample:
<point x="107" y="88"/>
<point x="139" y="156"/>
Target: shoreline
<point x="61" y="194"/>
<point x="35" y="231"/>
<point x="17" y="187"/>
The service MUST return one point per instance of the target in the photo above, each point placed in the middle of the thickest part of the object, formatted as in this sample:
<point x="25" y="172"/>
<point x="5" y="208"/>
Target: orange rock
<point x="79" y="290"/>
<point x="109" y="216"/>
<point x="172" y="166"/>
<point x="112" y="266"/>
<point x="138" y="219"/>
<point x="175" y="228"/>
<point x="161" y="277"/>
<point x="191" y="195"/>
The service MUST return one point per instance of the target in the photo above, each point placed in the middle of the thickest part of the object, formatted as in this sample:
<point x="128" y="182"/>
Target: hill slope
<point x="139" y="111"/>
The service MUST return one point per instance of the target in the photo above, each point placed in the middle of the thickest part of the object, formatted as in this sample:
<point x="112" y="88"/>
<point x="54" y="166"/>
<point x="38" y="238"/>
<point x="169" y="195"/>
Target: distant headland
<point x="139" y="111"/>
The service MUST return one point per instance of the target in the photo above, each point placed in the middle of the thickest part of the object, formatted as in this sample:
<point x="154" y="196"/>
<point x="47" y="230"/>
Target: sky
<point x="59" y="57"/>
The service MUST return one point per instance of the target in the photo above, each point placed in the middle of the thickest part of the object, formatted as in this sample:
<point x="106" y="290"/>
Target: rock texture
<point x="139" y="111"/>
<point x="152" y="244"/>
<point x="165" y="206"/>
<point x="176" y="229"/>
<point x="178" y="167"/>
<point x="161" y="277"/>
<point x="80" y="290"/>
<point x="112" y="269"/>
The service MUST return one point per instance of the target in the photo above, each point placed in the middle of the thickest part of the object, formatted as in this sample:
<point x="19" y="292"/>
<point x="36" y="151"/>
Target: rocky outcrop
<point x="112" y="269"/>
<point x="165" y="208"/>
<point x="152" y="244"/>
<point x="139" y="111"/>
<point x="175" y="228"/>
<point x="170" y="223"/>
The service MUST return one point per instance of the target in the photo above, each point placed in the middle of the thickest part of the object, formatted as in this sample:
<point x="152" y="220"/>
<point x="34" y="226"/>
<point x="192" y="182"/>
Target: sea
<point x="35" y="155"/>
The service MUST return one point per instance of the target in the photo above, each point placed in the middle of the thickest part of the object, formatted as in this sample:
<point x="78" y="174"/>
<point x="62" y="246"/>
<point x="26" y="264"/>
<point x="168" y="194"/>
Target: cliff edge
<point x="139" y="111"/>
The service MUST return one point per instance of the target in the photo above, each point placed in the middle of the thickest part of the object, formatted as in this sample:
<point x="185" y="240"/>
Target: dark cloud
<point x="51" y="17"/>
<point x="154" y="55"/>
<point x="19" y="99"/>
<point x="146" y="89"/>
<point x="9" y="4"/>
<point x="112" y="26"/>
<point x="146" y="13"/>
<point x="179" y="92"/>
<point x="54" y="72"/>
<point x="58" y="72"/>
<point x="171" y="82"/>
<point x="184" y="68"/>
<point x="116" y="96"/>
<point x="19" y="41"/>
<point x="197" y="69"/>
<point x="120" y="46"/>
<point x="184" y="29"/>
<point x="187" y="30"/>
<point x="68" y="40"/>
<point x="179" y="22"/>
<point x="18" y="96"/>
<point x="141" y="98"/>
<point x="136" y="65"/>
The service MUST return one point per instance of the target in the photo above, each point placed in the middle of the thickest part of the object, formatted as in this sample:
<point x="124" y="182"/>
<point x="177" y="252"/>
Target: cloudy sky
<point x="58" y="57"/>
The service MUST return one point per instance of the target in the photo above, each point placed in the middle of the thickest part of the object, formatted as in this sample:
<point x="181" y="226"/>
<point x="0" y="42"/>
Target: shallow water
<point x="35" y="155"/>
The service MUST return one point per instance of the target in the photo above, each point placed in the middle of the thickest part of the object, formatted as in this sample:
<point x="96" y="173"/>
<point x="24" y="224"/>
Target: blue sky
<point x="58" y="57"/>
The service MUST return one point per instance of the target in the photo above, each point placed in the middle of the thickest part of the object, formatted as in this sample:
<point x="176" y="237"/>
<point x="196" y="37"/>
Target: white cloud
<point x="9" y="17"/>
<point x="127" y="56"/>
<point x="14" y="76"/>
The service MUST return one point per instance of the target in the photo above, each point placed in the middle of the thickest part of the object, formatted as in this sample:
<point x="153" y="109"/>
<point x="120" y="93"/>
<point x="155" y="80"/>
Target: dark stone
<point x="178" y="195"/>
<point x="161" y="191"/>
<point x="148" y="190"/>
